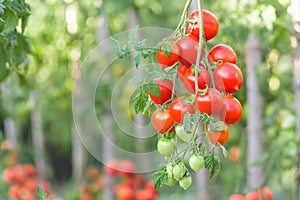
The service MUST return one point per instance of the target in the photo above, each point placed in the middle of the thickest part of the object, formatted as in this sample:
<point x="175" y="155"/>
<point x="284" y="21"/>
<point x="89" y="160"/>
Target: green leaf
<point x="153" y="89"/>
<point x="202" y="148"/>
<point x="11" y="21"/>
<point x="261" y="160"/>
<point x="138" y="59"/>
<point x="212" y="163"/>
<point x="140" y="100"/>
<point x="166" y="48"/>
<point x="217" y="126"/>
<point x="224" y="151"/>
<point x="160" y="180"/>
<point x="41" y="193"/>
<point x="187" y="122"/>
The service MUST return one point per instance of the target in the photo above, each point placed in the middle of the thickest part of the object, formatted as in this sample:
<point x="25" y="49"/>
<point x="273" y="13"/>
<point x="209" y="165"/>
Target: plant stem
<point x="183" y="16"/>
<point x="200" y="45"/>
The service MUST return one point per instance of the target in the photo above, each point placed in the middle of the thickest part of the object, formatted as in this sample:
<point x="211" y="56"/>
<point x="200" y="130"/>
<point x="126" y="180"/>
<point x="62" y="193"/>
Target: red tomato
<point x="86" y="196"/>
<point x="161" y="121"/>
<point x="31" y="185"/>
<point x="189" y="79"/>
<point x="30" y="170"/>
<point x="14" y="191"/>
<point x="210" y="24"/>
<point x="236" y="197"/>
<point x="144" y="195"/>
<point x="111" y="167"/>
<point x="218" y="137"/>
<point x="228" y="78"/>
<point x="222" y="52"/>
<point x="126" y="168"/>
<point x="211" y="102"/>
<point x="166" y="87"/>
<point x="253" y="196"/>
<point x="124" y="192"/>
<point x="188" y="48"/>
<point x="178" y="109"/>
<point x="181" y="71"/>
<point x="164" y="60"/>
<point x="267" y="194"/>
<point x="233" y="109"/>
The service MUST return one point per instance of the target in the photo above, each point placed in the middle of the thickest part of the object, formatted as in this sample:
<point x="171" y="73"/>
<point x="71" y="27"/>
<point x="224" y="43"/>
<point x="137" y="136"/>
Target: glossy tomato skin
<point x="228" y="77"/>
<point x="233" y="110"/>
<point x="210" y="24"/>
<point x="162" y="121"/>
<point x="188" y="48"/>
<point x="222" y="52"/>
<point x="189" y="79"/>
<point x="253" y="196"/>
<point x="237" y="197"/>
<point x="164" y="60"/>
<point x="218" y="137"/>
<point x="166" y="87"/>
<point x="181" y="71"/>
<point x="210" y="103"/>
<point x="178" y="109"/>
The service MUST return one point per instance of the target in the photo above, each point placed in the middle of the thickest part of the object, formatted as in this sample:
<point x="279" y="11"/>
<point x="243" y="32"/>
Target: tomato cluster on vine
<point x="209" y="79"/>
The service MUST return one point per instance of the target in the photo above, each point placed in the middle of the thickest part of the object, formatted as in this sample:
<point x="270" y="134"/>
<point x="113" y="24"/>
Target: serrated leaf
<point x="217" y="126"/>
<point x="11" y="21"/>
<point x="41" y="193"/>
<point x="166" y="48"/>
<point x="187" y="122"/>
<point x="202" y="148"/>
<point x="160" y="180"/>
<point x="212" y="163"/>
<point x="224" y="151"/>
<point x="153" y="89"/>
<point x="261" y="160"/>
<point x="136" y="79"/>
<point x="138" y="59"/>
<point x="140" y="100"/>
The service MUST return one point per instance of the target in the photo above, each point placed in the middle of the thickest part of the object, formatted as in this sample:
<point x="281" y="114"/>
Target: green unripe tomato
<point x="165" y="147"/>
<point x="182" y="135"/>
<point x="196" y="162"/>
<point x="185" y="182"/>
<point x="169" y="169"/>
<point x="170" y="181"/>
<point x="179" y="170"/>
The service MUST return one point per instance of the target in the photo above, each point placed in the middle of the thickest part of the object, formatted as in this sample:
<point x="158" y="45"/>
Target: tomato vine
<point x="188" y="124"/>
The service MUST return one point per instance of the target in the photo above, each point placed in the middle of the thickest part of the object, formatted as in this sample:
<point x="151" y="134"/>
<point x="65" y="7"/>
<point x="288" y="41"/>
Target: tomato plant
<point x="209" y="79"/>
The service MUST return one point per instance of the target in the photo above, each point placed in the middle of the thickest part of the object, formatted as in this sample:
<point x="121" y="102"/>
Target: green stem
<point x="183" y="16"/>
<point x="200" y="45"/>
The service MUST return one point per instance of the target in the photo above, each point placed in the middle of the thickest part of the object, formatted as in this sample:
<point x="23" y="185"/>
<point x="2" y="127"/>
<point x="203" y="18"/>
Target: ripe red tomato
<point x="233" y="109"/>
<point x="222" y="52"/>
<point x="181" y="71"/>
<point x="218" y="137"/>
<point x="162" y="121"/>
<point x="210" y="103"/>
<point x="14" y="191"/>
<point x="253" y="196"/>
<point x="126" y="168"/>
<point x="166" y="87"/>
<point x="267" y="194"/>
<point x="111" y="167"/>
<point x="144" y="195"/>
<point x="164" y="60"/>
<point x="188" y="48"/>
<point x="237" y="197"/>
<point x="178" y="109"/>
<point x="189" y="79"/>
<point x="124" y="192"/>
<point x="210" y="24"/>
<point x="228" y="78"/>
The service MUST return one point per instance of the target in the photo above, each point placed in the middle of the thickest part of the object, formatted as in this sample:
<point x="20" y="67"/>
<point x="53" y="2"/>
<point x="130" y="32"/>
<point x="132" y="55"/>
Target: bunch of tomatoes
<point x="191" y="124"/>
<point x="23" y="181"/>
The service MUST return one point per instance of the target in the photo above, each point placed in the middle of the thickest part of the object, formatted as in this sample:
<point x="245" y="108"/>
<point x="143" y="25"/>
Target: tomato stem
<point x="183" y="16"/>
